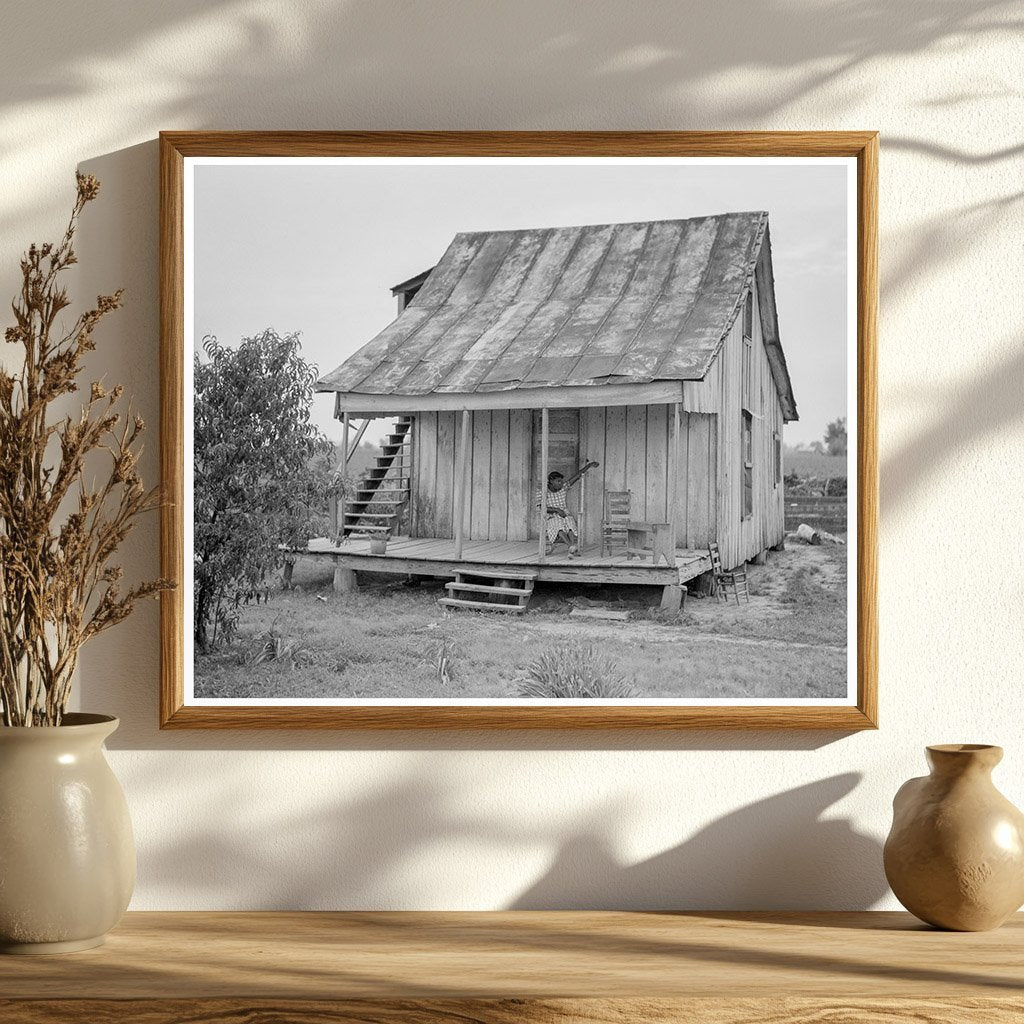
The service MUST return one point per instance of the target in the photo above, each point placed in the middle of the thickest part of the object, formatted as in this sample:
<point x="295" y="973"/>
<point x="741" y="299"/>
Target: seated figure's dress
<point x="555" y="524"/>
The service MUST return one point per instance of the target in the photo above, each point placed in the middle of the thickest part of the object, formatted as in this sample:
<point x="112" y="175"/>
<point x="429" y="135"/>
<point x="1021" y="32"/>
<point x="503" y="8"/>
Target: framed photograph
<point x="519" y="430"/>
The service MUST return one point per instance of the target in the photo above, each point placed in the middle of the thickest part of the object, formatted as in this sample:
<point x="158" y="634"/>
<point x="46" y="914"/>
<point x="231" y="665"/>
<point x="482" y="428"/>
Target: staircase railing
<point x="355" y="444"/>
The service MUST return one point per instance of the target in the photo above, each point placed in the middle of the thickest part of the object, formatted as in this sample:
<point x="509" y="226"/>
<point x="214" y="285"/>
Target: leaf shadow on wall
<point x="404" y="843"/>
<point x="309" y="63"/>
<point x="777" y="853"/>
<point x="989" y="405"/>
<point x="536" y="64"/>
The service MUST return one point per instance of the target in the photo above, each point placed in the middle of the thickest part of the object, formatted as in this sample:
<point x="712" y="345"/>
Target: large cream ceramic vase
<point x="955" y="855"/>
<point x="67" y="857"/>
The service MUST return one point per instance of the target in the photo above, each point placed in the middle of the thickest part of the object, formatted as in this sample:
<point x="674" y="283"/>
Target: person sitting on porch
<point x="559" y="522"/>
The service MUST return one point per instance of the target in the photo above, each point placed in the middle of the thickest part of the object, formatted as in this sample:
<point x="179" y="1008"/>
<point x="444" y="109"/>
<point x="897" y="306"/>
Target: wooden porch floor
<point x="434" y="556"/>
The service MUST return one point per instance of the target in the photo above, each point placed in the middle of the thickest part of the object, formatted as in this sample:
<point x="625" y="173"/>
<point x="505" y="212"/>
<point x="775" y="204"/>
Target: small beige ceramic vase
<point x="67" y="856"/>
<point x="955" y="854"/>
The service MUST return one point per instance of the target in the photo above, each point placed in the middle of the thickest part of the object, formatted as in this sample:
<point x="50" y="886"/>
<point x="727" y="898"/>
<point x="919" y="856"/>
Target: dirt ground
<point x="391" y="640"/>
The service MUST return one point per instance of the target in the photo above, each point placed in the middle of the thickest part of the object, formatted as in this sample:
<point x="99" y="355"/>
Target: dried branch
<point x="58" y="588"/>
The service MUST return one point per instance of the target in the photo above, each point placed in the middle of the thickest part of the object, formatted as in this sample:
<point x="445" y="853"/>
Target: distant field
<point x="813" y="464"/>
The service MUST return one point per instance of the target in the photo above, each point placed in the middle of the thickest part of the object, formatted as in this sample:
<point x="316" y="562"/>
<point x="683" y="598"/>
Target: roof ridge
<point x="616" y="223"/>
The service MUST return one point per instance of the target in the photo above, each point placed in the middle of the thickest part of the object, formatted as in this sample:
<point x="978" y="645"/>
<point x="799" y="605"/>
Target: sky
<point x="316" y="248"/>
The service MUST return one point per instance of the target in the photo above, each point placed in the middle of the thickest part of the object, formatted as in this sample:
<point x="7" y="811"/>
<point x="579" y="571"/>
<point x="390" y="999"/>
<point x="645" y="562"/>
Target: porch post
<point x="460" y="485"/>
<point x="673" y="476"/>
<point x="339" y="502"/>
<point x="543" y="538"/>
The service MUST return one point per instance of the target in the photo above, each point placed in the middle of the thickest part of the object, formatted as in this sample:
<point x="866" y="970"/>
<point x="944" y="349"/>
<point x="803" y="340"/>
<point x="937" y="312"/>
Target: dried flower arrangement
<point x="58" y="588"/>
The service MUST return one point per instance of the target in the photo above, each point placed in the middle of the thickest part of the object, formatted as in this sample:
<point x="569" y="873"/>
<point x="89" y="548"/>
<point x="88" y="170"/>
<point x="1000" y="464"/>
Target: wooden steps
<point x="479" y="588"/>
<point x="369" y="515"/>
<point x="503" y="590"/>
<point x="380" y="496"/>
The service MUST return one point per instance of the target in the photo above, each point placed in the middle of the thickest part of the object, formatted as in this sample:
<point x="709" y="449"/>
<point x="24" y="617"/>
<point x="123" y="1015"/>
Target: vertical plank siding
<point x="497" y="510"/>
<point x="636" y="463"/>
<point x="632" y="444"/>
<point x="520" y="511"/>
<point x="742" y="537"/>
<point x="444" y="480"/>
<point x="425" y="470"/>
<point x="658" y="427"/>
<point x="480" y="476"/>
<point x="592" y="442"/>
<point x="700" y="499"/>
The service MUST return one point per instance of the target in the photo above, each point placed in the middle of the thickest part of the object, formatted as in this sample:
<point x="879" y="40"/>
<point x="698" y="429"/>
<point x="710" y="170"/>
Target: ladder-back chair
<point x="737" y="578"/>
<point x="615" y="521"/>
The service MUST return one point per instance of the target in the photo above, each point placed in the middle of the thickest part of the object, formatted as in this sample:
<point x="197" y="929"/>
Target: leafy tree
<point x="835" y="437"/>
<point x="262" y="469"/>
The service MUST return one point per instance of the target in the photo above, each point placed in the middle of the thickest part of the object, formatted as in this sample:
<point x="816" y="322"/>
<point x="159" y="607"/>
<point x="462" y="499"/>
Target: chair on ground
<point x="615" y="522"/>
<point x="721" y="580"/>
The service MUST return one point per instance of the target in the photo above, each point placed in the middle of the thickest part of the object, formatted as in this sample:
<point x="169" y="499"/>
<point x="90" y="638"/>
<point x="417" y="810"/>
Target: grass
<point x="389" y="640"/>
<point x="798" y="598"/>
<point x="814" y="464"/>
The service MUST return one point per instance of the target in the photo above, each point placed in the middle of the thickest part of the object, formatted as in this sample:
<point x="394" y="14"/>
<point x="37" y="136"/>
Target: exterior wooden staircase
<point x="499" y="590"/>
<point x="376" y="506"/>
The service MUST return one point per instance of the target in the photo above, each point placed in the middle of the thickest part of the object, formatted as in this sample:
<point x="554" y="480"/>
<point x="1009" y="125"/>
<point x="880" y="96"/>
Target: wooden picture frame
<point x="177" y="147"/>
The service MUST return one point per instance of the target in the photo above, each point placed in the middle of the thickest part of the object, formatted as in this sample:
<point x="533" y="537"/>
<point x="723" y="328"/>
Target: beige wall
<point x="637" y="820"/>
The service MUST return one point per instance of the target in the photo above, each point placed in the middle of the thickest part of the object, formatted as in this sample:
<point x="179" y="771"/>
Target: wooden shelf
<point x="501" y="968"/>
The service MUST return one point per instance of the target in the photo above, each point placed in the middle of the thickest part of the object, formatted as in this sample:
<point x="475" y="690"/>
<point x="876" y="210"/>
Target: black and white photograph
<point x="520" y="431"/>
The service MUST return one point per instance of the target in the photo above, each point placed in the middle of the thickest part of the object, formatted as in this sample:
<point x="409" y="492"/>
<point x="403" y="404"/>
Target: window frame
<point x="747" y="456"/>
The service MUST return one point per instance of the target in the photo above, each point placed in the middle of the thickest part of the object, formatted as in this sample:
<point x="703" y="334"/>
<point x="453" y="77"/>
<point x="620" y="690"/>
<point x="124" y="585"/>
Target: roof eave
<point x="770" y="330"/>
<point x="657" y="392"/>
<point x="412" y="282"/>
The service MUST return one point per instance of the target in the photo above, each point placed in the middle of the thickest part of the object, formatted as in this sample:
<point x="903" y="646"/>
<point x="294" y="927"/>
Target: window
<point x="777" y="437"/>
<point x="748" y="315"/>
<point x="748" y="464"/>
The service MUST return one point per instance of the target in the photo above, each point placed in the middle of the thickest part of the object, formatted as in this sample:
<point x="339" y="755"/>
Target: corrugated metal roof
<point x="570" y="306"/>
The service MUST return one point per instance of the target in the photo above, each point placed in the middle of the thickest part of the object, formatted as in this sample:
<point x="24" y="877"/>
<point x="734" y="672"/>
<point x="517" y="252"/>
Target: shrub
<point x="573" y="670"/>
<point x="262" y="470"/>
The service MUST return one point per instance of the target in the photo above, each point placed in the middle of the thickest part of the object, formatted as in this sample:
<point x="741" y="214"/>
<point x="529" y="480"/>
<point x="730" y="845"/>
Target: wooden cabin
<point x="651" y="348"/>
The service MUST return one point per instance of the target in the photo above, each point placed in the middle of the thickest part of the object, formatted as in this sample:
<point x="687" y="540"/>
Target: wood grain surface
<point x="515" y="1011"/>
<point x="524" y="966"/>
<point x="176" y="146"/>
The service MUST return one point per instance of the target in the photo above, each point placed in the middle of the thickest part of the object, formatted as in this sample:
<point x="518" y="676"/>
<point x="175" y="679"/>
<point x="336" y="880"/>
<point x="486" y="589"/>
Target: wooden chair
<point x="615" y="522"/>
<point x="737" y="579"/>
